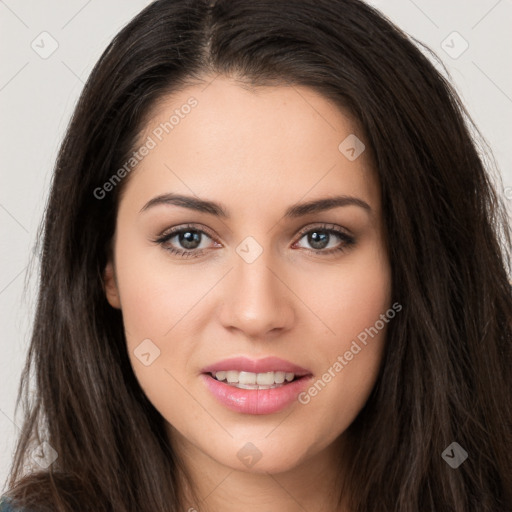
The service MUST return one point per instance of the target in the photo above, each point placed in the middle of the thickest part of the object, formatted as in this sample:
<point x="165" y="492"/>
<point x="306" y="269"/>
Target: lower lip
<point x="256" y="401"/>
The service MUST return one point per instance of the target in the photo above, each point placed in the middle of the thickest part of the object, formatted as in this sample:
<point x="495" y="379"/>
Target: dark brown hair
<point x="446" y="370"/>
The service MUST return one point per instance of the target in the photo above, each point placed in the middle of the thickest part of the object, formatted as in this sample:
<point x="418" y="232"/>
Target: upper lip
<point x="267" y="364"/>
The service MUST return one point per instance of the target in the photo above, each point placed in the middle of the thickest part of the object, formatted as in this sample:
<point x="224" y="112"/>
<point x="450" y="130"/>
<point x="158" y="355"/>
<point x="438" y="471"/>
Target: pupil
<point x="318" y="241"/>
<point x="189" y="238"/>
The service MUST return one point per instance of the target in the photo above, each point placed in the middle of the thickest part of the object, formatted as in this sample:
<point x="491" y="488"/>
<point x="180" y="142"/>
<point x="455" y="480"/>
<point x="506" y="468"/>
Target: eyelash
<point x="347" y="241"/>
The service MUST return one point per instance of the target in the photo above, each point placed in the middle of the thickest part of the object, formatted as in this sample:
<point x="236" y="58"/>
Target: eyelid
<point x="182" y="227"/>
<point x="325" y="226"/>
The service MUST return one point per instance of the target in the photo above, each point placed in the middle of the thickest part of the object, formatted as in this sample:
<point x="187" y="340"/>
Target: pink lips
<point x="256" y="401"/>
<point x="268" y="364"/>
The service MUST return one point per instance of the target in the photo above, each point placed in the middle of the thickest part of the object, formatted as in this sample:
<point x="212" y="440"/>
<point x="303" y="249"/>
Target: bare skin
<point x="257" y="152"/>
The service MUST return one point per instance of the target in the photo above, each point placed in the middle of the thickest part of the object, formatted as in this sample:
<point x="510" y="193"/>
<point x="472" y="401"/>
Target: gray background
<point x="38" y="92"/>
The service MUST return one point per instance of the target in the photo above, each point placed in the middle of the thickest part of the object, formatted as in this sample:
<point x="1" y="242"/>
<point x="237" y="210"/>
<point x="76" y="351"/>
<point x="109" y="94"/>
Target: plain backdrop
<point x="47" y="51"/>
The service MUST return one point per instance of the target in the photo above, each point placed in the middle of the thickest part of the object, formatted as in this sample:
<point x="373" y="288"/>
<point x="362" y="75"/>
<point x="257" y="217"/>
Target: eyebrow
<point x="218" y="210"/>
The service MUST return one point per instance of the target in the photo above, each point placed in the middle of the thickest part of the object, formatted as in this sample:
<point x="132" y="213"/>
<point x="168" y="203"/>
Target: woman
<point x="275" y="273"/>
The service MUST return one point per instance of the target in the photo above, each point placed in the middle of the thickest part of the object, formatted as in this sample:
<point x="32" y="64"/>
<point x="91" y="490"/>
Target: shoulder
<point x="7" y="506"/>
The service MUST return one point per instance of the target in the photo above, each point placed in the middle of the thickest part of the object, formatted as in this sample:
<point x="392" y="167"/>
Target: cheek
<point x="156" y="295"/>
<point x="351" y="347"/>
<point x="349" y="296"/>
<point x="156" y="299"/>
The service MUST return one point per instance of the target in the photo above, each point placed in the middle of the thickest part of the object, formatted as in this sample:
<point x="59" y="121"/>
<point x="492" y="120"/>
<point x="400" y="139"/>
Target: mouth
<point x="251" y="386"/>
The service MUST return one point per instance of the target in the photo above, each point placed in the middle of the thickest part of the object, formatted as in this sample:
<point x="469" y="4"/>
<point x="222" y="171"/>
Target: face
<point x="284" y="291"/>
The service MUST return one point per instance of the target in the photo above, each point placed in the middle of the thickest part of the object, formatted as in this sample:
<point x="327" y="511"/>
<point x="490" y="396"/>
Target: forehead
<point x="255" y="146"/>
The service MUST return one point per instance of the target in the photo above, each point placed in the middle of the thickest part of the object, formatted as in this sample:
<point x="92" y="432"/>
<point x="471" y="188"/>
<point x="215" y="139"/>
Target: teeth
<point x="220" y="375"/>
<point x="264" y="379"/>
<point x="255" y="386"/>
<point x="279" y="377"/>
<point x="249" y="380"/>
<point x="232" y="376"/>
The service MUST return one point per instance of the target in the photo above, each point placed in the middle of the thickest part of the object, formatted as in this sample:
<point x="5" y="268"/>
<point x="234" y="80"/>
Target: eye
<point x="321" y="236"/>
<point x="190" y="238"/>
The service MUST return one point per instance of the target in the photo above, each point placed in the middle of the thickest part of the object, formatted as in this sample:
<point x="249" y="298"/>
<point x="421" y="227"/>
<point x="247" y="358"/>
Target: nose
<point x="258" y="300"/>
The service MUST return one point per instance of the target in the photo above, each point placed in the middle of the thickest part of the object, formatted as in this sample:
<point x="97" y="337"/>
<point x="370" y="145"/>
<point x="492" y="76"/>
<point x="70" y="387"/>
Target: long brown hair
<point x="446" y="373"/>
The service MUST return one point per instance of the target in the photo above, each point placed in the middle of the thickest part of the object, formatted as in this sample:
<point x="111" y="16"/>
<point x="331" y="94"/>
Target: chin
<point x="262" y="456"/>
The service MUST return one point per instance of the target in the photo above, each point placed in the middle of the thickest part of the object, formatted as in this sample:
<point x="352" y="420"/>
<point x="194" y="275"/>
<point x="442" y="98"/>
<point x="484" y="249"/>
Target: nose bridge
<point x="258" y="301"/>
